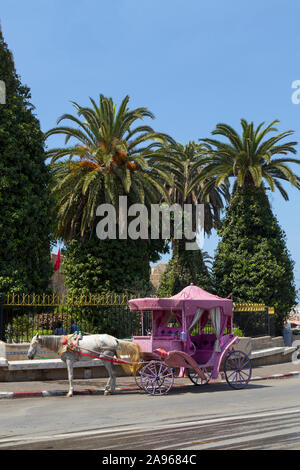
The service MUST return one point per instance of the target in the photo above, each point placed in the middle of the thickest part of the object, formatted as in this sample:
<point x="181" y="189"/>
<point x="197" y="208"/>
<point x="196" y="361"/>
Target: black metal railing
<point x="254" y="323"/>
<point x="21" y="317"/>
<point x="21" y="320"/>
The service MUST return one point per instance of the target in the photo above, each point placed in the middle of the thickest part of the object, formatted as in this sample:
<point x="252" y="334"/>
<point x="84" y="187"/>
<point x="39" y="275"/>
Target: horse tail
<point x="131" y="350"/>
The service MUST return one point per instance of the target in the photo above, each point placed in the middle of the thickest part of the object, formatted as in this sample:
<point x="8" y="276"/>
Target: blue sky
<point x="192" y="63"/>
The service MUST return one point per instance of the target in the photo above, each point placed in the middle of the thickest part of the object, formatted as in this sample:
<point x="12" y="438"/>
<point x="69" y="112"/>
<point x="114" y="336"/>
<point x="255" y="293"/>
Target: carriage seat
<point x="204" y="341"/>
<point x="204" y="345"/>
<point x="167" y="331"/>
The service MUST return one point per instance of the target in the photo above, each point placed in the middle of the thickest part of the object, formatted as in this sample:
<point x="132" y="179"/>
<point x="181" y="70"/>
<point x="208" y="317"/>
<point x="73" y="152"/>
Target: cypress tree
<point x="252" y="260"/>
<point x="25" y="200"/>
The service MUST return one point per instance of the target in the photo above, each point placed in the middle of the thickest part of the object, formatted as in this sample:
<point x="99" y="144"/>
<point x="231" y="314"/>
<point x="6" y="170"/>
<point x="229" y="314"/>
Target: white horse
<point x="105" y="344"/>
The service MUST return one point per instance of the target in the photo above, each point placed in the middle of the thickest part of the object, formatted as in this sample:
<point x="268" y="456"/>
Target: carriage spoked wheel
<point x="238" y="369"/>
<point x="196" y="379"/>
<point x="156" y="378"/>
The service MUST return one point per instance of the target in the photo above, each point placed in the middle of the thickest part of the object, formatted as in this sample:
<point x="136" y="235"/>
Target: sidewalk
<point x="96" y="386"/>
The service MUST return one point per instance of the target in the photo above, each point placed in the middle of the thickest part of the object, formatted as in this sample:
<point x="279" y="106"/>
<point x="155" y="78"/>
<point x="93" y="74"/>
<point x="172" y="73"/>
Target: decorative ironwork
<point x="54" y="300"/>
<point x="22" y="315"/>
<point x="248" y="307"/>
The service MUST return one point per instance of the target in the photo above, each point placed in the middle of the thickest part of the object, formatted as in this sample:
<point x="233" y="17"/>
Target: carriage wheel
<point x="156" y="378"/>
<point x="196" y="379"/>
<point x="238" y="369"/>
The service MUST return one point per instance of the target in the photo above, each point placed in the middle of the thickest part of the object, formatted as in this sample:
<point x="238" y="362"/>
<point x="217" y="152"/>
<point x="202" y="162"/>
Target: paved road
<point x="266" y="415"/>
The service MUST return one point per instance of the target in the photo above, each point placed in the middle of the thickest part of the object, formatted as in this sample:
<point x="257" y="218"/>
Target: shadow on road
<point x="207" y="389"/>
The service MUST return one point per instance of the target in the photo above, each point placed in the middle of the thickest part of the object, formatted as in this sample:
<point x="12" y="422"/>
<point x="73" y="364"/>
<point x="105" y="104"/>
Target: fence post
<point x="271" y="321"/>
<point x="268" y="317"/>
<point x="2" y="336"/>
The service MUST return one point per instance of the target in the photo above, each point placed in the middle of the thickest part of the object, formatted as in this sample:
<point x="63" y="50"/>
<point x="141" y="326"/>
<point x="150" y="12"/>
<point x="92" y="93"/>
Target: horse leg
<point x="113" y="376"/>
<point x="107" y="387"/>
<point x="69" y="363"/>
<point x="111" y="383"/>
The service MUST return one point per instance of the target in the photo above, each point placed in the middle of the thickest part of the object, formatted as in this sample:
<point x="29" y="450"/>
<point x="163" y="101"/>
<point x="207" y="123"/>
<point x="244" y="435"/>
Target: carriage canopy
<point x="190" y="306"/>
<point x="189" y="300"/>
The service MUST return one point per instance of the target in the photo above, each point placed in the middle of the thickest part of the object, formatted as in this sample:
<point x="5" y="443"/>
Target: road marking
<point x="134" y="429"/>
<point x="203" y="442"/>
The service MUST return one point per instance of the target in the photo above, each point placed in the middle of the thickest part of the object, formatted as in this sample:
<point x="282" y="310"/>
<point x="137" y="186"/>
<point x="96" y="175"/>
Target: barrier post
<point x="2" y="336"/>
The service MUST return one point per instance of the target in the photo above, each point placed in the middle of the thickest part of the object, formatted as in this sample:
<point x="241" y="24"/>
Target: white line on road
<point x="155" y="427"/>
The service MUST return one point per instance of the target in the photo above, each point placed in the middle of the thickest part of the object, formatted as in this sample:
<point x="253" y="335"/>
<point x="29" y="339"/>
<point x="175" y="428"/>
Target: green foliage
<point x="42" y="332"/>
<point x="22" y="323"/>
<point x="23" y="328"/>
<point x="112" y="156"/>
<point x="252" y="260"/>
<point x="105" y="266"/>
<point x="185" y="164"/>
<point x="25" y="216"/>
<point x="237" y="332"/>
<point x="252" y="158"/>
<point x="12" y="284"/>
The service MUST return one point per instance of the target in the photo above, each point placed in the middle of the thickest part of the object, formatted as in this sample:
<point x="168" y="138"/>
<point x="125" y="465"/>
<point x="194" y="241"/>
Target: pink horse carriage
<point x="178" y="340"/>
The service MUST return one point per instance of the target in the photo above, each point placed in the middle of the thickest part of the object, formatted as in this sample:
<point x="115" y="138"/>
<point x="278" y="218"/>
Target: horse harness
<point x="70" y="344"/>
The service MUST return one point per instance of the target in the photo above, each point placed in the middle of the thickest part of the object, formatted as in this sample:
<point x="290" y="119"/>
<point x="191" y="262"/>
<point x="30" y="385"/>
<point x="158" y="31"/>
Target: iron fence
<point x="254" y="320"/>
<point x="24" y="315"/>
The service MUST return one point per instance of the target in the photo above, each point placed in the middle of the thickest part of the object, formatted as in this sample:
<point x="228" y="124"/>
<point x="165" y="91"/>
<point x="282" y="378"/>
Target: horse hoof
<point x="106" y="392"/>
<point x="69" y="395"/>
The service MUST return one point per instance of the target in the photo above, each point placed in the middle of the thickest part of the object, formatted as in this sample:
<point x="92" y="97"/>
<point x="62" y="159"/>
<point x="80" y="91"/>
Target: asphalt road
<point x="266" y="415"/>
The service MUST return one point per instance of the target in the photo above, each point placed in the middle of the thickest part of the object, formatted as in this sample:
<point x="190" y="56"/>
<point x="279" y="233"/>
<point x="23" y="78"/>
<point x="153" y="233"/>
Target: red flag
<point x="57" y="262"/>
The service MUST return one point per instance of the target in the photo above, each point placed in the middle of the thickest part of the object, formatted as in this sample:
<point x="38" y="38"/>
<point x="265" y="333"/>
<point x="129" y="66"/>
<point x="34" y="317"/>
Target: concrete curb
<point x="278" y="376"/>
<point x="56" y="393"/>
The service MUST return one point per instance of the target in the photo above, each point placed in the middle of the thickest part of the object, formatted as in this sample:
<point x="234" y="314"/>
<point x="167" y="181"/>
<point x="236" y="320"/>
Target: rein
<point x="48" y="357"/>
<point x="115" y="361"/>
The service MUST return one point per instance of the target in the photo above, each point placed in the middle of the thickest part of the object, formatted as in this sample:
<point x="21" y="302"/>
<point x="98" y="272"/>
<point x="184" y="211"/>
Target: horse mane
<point x="133" y="350"/>
<point x="52" y="342"/>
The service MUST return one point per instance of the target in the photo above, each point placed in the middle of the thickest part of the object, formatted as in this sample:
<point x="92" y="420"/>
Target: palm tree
<point x="185" y="165"/>
<point x="110" y="156"/>
<point x="108" y="153"/>
<point x="250" y="159"/>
